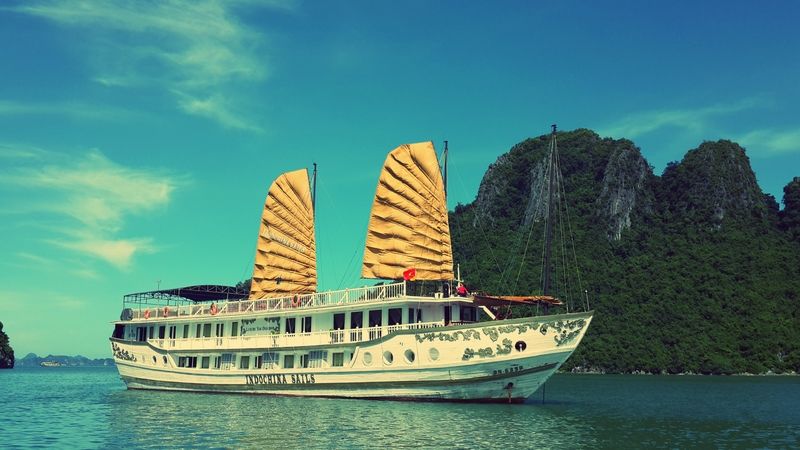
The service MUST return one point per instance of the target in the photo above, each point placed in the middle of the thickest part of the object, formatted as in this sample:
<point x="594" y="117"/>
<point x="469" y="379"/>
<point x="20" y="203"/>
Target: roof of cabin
<point x="197" y="293"/>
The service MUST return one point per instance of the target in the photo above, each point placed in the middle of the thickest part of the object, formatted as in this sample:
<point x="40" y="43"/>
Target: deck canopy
<point x="197" y="293"/>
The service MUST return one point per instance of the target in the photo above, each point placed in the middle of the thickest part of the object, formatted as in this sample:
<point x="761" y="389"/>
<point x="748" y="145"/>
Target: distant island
<point x="6" y="352"/>
<point x="33" y="360"/>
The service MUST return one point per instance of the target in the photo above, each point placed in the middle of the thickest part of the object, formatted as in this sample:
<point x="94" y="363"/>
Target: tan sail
<point x="286" y="251"/>
<point x="408" y="227"/>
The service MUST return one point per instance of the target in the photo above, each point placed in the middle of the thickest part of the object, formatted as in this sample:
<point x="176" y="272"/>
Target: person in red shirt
<point x="461" y="290"/>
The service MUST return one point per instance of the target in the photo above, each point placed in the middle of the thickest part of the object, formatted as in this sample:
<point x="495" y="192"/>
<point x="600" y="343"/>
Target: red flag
<point x="410" y="274"/>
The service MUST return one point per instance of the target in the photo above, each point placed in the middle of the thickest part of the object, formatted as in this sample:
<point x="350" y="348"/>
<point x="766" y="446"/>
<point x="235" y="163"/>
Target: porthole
<point x="367" y="358"/>
<point x="388" y="358"/>
<point x="154" y="359"/>
<point x="410" y="356"/>
<point x="165" y="359"/>
<point x="434" y="354"/>
<point x="520" y="346"/>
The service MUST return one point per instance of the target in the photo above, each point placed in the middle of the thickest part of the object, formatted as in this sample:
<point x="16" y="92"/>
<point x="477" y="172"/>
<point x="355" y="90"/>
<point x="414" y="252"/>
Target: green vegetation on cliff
<point x="6" y="352"/>
<point x="693" y="271"/>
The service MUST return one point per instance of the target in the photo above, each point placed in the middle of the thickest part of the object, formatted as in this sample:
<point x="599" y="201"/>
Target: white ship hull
<point x="497" y="361"/>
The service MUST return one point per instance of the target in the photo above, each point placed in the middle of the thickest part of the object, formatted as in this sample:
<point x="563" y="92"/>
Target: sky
<point x="138" y="139"/>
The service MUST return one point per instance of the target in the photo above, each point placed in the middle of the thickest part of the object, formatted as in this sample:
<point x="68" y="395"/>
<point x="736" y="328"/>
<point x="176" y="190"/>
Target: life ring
<point x="146" y="313"/>
<point x="166" y="311"/>
<point x="295" y="301"/>
<point x="214" y="309"/>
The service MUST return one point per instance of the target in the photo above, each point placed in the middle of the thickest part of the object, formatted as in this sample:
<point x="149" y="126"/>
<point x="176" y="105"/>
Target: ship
<point x="416" y="334"/>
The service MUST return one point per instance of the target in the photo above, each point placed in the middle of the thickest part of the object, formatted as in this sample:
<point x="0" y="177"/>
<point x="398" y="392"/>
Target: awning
<point x="197" y="293"/>
<point x="512" y="300"/>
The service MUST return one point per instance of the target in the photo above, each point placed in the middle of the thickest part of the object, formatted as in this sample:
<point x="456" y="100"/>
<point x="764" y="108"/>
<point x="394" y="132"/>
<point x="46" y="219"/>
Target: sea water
<point x="90" y="408"/>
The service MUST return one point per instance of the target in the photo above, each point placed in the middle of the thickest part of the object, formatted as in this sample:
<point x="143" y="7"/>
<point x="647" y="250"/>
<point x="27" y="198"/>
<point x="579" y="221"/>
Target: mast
<point x="314" y="190"/>
<point x="445" y="168"/>
<point x="548" y="251"/>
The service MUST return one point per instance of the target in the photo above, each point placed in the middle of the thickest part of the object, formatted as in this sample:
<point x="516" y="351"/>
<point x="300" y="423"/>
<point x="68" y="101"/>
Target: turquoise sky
<point x="138" y="139"/>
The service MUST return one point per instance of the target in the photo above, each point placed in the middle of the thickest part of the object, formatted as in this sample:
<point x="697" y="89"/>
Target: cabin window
<point x="220" y="331"/>
<point x="217" y="362"/>
<point x="234" y="329"/>
<point x="204" y="362"/>
<point x="187" y="361"/>
<point x="119" y="331"/>
<point x="414" y="315"/>
<point x="141" y="334"/>
<point x="290" y="325"/>
<point x="317" y="358"/>
<point x="375" y="318"/>
<point x="338" y="321"/>
<point x="206" y="330"/>
<point x="228" y="361"/>
<point x="395" y="316"/>
<point x="304" y="361"/>
<point x="357" y="319"/>
<point x="447" y="315"/>
<point x="468" y="314"/>
<point x="173" y="331"/>
<point x="162" y="330"/>
<point x="288" y="361"/>
<point x="199" y="332"/>
<point x="186" y="331"/>
<point x="337" y="359"/>
<point x="150" y="333"/>
<point x="270" y="360"/>
<point x="258" y="361"/>
<point x="305" y="324"/>
<point x="244" y="362"/>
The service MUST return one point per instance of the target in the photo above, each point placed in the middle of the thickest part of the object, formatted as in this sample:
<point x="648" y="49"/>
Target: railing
<point x="346" y="296"/>
<point x="287" y="340"/>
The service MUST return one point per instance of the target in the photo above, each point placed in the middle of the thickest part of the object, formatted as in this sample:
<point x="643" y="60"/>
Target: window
<point x="199" y="332"/>
<point x="173" y="331"/>
<point x="357" y="319"/>
<point x="186" y="331"/>
<point x="290" y="325"/>
<point x="337" y="359"/>
<point x="305" y="324"/>
<point x="150" y="333"/>
<point x="270" y="360"/>
<point x="257" y="362"/>
<point x="304" y="361"/>
<point x="395" y="316"/>
<point x="234" y="329"/>
<point x="244" y="362"/>
<point x="414" y="315"/>
<point x="375" y="318"/>
<point x="338" y="321"/>
<point x="217" y="362"/>
<point x="162" y="330"/>
<point x="447" y="315"/>
<point x="206" y="330"/>
<point x="204" y="362"/>
<point x="288" y="361"/>
<point x="227" y="361"/>
<point x="317" y="358"/>
<point x="468" y="314"/>
<point x="220" y="330"/>
<point x="141" y="334"/>
<point x="187" y="361"/>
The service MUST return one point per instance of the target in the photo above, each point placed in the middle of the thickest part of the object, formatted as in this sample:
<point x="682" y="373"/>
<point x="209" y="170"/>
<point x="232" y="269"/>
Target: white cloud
<point x="91" y="198"/>
<point x="697" y="119"/>
<point x="771" y="142"/>
<point x="198" y="48"/>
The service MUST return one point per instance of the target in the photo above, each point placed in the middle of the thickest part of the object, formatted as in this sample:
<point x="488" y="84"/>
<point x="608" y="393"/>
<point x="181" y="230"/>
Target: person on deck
<point x="461" y="290"/>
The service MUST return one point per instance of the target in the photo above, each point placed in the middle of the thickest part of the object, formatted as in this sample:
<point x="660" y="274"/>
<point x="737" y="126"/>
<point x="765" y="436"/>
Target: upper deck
<point x="156" y="305"/>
